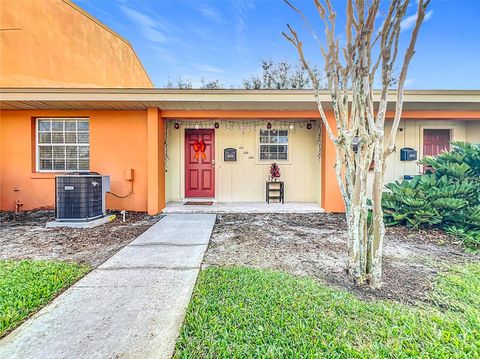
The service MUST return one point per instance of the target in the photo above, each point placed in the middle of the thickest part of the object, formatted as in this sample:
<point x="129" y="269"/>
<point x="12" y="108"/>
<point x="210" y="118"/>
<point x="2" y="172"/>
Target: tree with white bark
<point x="370" y="53"/>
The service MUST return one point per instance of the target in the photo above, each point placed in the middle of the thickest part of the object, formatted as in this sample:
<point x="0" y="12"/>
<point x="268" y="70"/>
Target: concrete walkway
<point x="132" y="306"/>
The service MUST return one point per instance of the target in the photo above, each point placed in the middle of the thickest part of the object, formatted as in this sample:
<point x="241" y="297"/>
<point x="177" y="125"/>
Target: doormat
<point x="198" y="203"/>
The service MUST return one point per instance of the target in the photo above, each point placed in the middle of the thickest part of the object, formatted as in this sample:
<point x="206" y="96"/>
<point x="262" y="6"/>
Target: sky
<point x="226" y="39"/>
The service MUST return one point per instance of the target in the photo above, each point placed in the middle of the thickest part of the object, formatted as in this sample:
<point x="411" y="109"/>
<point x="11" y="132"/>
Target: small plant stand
<point x="275" y="190"/>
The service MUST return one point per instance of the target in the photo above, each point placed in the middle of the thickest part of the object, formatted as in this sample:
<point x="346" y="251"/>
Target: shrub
<point x="447" y="198"/>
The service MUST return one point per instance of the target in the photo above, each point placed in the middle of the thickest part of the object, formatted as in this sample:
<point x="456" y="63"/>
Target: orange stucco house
<point x="87" y="104"/>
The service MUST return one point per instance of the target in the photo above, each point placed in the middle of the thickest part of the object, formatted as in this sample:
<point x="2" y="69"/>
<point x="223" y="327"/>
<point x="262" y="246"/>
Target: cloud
<point x="212" y="14"/>
<point x="165" y="55"/>
<point x="409" y="21"/>
<point x="137" y="17"/>
<point x="244" y="5"/>
<point x="201" y="31"/>
<point x="241" y="7"/>
<point x="209" y="68"/>
<point x="409" y="82"/>
<point x="155" y="35"/>
<point x="151" y="29"/>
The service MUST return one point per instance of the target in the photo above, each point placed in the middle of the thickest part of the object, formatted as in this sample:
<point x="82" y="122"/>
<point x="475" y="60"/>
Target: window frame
<point x="260" y="143"/>
<point x="38" y="144"/>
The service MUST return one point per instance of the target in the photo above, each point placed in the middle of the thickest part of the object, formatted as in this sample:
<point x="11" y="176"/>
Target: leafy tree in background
<point x="280" y="75"/>
<point x="211" y="84"/>
<point x="179" y="83"/>
<point x="185" y="84"/>
<point x="275" y="75"/>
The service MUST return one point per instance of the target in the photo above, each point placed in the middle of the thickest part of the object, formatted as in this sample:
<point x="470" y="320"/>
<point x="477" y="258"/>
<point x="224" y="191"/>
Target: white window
<point x="63" y="144"/>
<point x="273" y="144"/>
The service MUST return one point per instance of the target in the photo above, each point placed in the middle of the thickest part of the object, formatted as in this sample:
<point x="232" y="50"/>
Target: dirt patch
<point x="25" y="237"/>
<point x="315" y="245"/>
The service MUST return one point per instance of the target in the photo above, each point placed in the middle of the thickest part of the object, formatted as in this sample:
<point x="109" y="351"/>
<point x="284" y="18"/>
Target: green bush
<point x="447" y="198"/>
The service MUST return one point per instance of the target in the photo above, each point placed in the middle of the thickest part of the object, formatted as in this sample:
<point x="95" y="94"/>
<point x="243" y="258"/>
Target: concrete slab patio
<point x="245" y="207"/>
<point x="131" y="306"/>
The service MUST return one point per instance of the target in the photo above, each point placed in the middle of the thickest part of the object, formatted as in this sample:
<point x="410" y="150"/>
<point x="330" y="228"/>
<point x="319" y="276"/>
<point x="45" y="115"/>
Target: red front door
<point x="200" y="163"/>
<point x="435" y="141"/>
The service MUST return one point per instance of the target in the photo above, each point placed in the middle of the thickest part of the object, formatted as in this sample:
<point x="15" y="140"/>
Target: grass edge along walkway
<point x="27" y="285"/>
<point x="244" y="312"/>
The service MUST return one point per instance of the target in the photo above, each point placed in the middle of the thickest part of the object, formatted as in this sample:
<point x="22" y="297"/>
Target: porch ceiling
<point x="213" y="100"/>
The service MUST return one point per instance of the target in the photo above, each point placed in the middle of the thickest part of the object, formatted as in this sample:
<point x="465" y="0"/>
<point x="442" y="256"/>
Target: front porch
<point x="244" y="207"/>
<point x="253" y="145"/>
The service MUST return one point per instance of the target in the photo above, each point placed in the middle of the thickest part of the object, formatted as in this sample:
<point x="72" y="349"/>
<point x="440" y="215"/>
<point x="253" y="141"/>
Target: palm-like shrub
<point x="448" y="198"/>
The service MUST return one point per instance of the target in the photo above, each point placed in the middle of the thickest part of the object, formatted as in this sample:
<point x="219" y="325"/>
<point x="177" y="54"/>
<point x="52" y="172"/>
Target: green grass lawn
<point x="244" y="313"/>
<point x="26" y="286"/>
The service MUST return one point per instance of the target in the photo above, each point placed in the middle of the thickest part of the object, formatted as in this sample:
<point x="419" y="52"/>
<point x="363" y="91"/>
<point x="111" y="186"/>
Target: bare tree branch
<point x="360" y="127"/>
<point x="299" y="46"/>
<point x="307" y="23"/>
<point x="403" y="75"/>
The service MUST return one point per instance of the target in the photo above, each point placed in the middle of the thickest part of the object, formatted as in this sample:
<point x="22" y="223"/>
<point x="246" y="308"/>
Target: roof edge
<point x="94" y="19"/>
<point x="158" y="90"/>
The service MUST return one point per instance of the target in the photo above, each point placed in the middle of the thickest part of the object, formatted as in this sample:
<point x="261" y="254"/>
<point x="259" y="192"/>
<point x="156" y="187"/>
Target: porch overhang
<point x="232" y="103"/>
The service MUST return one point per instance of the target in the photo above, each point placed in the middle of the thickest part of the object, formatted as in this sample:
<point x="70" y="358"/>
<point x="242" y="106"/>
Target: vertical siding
<point x="473" y="131"/>
<point x="412" y="136"/>
<point x="244" y="180"/>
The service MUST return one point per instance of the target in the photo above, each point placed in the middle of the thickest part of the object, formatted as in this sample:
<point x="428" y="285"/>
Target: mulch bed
<point x="315" y="245"/>
<point x="25" y="237"/>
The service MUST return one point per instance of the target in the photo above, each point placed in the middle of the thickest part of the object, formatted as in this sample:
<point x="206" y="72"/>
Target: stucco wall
<point x="118" y="141"/>
<point x="244" y="180"/>
<point x="52" y="43"/>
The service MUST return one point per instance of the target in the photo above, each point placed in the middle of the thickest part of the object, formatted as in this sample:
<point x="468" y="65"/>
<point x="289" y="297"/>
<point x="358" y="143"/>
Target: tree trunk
<point x="357" y="235"/>
<point x="377" y="232"/>
<point x="356" y="116"/>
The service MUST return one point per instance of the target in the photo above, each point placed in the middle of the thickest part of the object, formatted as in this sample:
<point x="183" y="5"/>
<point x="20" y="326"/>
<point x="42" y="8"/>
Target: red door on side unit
<point x="200" y="163"/>
<point x="434" y="142"/>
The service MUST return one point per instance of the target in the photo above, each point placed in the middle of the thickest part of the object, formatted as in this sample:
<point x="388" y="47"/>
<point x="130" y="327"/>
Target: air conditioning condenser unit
<point x="80" y="196"/>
